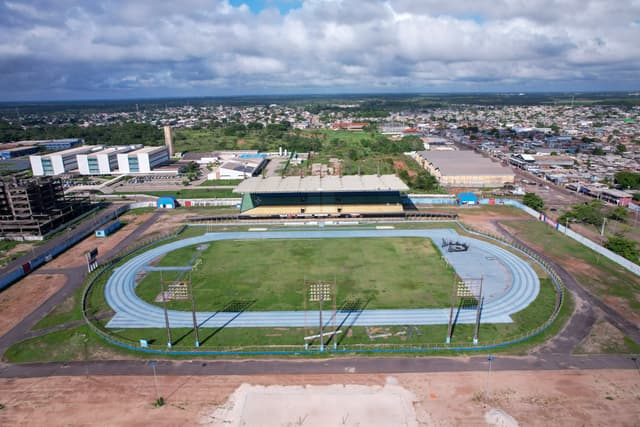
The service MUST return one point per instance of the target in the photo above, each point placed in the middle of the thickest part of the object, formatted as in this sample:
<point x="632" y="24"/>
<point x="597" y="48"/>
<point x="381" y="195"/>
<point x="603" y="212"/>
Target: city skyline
<point x="132" y="49"/>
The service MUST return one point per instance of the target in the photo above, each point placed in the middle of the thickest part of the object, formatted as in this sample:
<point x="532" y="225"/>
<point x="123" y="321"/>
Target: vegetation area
<point x="533" y="201"/>
<point x="593" y="271"/>
<point x="217" y="182"/>
<point x="191" y="193"/>
<point x="272" y="272"/>
<point x="628" y="180"/>
<point x="115" y="134"/>
<point x="358" y="152"/>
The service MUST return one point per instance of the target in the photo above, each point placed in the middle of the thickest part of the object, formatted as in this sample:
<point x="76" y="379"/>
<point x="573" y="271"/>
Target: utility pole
<point x="604" y="223"/>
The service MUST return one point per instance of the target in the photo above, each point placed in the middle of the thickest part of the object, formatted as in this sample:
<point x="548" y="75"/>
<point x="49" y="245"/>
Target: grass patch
<point x="68" y="311"/>
<point x="592" y="270"/>
<point x="214" y="182"/>
<point x="77" y="343"/>
<point x="273" y="272"/>
<point x="192" y="193"/>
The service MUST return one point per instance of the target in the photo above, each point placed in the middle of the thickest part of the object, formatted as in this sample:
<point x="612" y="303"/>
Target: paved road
<point x="342" y="365"/>
<point x="75" y="279"/>
<point x="510" y="285"/>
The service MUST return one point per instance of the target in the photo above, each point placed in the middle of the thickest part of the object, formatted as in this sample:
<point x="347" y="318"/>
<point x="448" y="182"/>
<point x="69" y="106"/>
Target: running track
<point x="510" y="284"/>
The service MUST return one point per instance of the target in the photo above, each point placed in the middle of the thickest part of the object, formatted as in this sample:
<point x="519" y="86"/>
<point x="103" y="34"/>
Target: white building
<point x="142" y="160"/>
<point x="102" y="162"/>
<point x="59" y="162"/>
<point x="239" y="168"/>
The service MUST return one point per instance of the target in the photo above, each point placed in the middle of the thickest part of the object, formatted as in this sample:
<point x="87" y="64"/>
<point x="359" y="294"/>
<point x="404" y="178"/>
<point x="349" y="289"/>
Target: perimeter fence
<point x="301" y="350"/>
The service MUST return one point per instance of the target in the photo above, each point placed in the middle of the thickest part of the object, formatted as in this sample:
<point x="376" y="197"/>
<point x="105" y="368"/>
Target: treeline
<point x="115" y="134"/>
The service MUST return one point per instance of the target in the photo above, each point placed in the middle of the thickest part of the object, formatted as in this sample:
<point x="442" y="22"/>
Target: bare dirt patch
<point x="75" y="256"/>
<point x="24" y="296"/>
<point x="400" y="165"/>
<point x="603" y="338"/>
<point x="603" y="397"/>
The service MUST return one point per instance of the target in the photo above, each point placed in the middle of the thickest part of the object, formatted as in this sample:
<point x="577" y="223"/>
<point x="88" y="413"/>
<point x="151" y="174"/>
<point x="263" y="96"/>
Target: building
<point x="108" y="229"/>
<point x="59" y="162"/>
<point x="244" y="166"/>
<point x="464" y="169"/>
<point x="102" y="162"/>
<point x="467" y="198"/>
<point x="61" y="144"/>
<point x="168" y="139"/>
<point x="352" y="126"/>
<point x="35" y="207"/>
<point x="166" y="202"/>
<point x="327" y="196"/>
<point x="12" y="153"/>
<point x="142" y="160"/>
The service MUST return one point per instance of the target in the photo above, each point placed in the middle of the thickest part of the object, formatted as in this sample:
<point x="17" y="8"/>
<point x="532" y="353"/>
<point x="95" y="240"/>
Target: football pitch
<point x="393" y="272"/>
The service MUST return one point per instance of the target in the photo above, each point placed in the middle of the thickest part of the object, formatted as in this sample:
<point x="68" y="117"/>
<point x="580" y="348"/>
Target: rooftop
<point x="463" y="163"/>
<point x="316" y="184"/>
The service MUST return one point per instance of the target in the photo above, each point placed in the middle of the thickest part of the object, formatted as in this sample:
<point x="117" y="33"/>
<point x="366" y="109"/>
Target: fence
<point x="296" y="350"/>
<point x="623" y="262"/>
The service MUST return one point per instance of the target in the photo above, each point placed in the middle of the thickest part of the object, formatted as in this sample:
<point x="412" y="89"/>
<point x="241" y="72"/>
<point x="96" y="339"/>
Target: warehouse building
<point x="464" y="169"/>
<point x="102" y="162"/>
<point x="142" y="160"/>
<point x="59" y="162"/>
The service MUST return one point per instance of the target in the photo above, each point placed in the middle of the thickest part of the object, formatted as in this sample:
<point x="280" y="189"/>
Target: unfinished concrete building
<point x="34" y="207"/>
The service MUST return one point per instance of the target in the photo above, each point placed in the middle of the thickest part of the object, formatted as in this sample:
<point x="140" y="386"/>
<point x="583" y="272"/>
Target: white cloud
<point x="347" y="45"/>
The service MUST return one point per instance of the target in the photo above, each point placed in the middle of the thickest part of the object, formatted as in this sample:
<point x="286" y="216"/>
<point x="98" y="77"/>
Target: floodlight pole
<point x="193" y="311"/>
<point x="453" y="301"/>
<point x="479" y="304"/>
<point x="321" y="326"/>
<point x="166" y="314"/>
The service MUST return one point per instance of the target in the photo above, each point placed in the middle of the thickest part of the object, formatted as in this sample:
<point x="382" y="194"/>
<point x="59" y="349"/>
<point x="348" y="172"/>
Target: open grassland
<point x="389" y="273"/>
<point x="615" y="285"/>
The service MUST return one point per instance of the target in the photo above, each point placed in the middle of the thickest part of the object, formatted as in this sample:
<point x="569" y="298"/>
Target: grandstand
<point x="327" y="196"/>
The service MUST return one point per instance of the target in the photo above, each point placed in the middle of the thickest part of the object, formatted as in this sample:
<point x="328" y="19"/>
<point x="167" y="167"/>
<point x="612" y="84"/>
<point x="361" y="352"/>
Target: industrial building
<point x="102" y="162"/>
<point x="13" y="152"/>
<point x="142" y="160"/>
<point x="35" y="207"/>
<point x="59" y="162"/>
<point x="464" y="169"/>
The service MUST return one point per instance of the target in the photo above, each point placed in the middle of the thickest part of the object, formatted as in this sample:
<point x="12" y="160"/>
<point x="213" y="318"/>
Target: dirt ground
<point x="17" y="301"/>
<point x="603" y="397"/>
<point x="75" y="256"/>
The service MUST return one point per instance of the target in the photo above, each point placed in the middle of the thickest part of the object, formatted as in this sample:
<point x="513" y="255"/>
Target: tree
<point x="619" y="213"/>
<point x="629" y="180"/>
<point x="621" y="148"/>
<point x="533" y="201"/>
<point x="624" y="247"/>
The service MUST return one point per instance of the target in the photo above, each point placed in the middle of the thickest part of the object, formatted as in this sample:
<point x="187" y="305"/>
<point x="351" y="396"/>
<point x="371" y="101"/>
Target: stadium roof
<point x="316" y="184"/>
<point x="464" y="163"/>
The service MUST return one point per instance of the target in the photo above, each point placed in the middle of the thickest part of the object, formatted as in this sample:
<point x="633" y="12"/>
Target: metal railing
<point x="297" y="350"/>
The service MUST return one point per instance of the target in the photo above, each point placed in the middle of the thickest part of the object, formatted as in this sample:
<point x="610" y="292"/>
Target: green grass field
<point x="389" y="272"/>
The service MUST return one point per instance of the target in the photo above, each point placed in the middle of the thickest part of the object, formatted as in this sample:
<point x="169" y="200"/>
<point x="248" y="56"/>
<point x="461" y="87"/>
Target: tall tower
<point x="168" y="139"/>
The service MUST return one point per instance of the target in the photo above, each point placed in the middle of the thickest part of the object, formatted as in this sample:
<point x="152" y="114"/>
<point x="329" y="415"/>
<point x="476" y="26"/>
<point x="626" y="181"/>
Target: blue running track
<point x="510" y="284"/>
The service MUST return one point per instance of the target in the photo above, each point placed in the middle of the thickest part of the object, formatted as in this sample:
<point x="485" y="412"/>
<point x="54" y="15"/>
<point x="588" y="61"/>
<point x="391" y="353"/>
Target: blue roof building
<point x="467" y="198"/>
<point x="167" y="202"/>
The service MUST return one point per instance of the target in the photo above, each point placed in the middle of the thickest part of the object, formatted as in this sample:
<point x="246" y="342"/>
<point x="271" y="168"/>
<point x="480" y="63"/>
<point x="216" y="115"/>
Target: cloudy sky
<point x="92" y="49"/>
